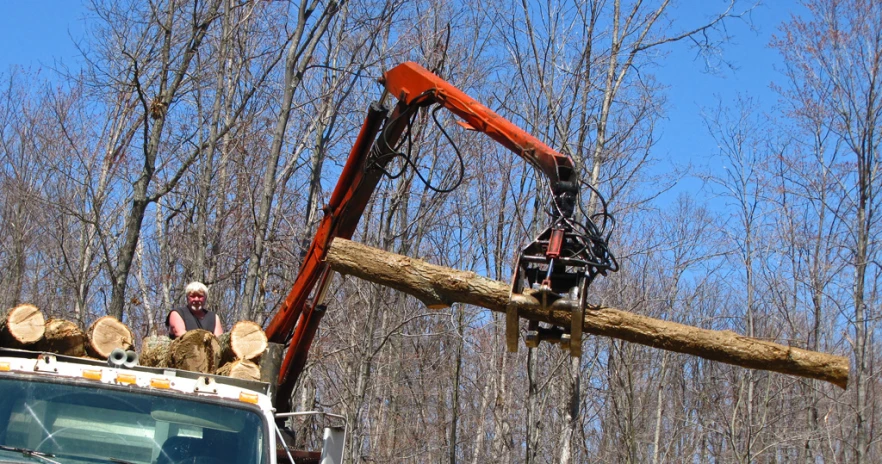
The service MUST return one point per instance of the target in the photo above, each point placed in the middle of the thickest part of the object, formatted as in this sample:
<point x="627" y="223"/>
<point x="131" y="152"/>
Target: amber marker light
<point x="126" y="378"/>
<point x="92" y="374"/>
<point x="248" y="398"/>
<point x="160" y="382"/>
<point x="5" y="367"/>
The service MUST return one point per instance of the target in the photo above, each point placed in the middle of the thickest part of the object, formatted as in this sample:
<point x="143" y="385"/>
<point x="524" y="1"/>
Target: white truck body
<point x="73" y="410"/>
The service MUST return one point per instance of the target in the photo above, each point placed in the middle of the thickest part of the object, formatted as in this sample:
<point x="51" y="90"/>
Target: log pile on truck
<point x="242" y="353"/>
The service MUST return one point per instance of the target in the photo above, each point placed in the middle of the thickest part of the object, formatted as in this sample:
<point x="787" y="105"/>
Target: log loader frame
<point x="556" y="267"/>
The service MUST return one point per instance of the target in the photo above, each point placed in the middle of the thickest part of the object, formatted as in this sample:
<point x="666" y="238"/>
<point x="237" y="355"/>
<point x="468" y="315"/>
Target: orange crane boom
<point x="579" y="256"/>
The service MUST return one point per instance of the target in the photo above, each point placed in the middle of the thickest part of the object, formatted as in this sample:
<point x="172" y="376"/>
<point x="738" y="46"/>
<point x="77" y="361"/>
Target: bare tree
<point x="834" y="60"/>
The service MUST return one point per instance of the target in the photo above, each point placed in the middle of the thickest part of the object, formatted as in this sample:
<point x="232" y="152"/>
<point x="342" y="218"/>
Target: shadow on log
<point x="439" y="286"/>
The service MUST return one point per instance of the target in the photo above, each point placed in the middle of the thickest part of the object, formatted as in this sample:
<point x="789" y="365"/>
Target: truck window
<point x="87" y="424"/>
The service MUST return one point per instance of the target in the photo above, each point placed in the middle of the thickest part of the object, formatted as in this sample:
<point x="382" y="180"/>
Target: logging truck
<point x="66" y="409"/>
<point x="69" y="409"/>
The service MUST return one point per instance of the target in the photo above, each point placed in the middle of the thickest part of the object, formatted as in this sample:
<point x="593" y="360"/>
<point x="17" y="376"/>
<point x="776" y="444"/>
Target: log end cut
<point x="22" y="325"/>
<point x="247" y="340"/>
<point x="106" y="334"/>
<point x="240" y="369"/>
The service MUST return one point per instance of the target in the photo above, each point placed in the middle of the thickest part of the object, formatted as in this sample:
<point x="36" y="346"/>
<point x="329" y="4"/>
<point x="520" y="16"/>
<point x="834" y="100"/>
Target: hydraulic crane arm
<point x="415" y="87"/>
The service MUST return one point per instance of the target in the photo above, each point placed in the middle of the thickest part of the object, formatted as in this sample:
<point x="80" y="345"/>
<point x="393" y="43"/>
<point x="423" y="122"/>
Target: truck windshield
<point x="89" y="424"/>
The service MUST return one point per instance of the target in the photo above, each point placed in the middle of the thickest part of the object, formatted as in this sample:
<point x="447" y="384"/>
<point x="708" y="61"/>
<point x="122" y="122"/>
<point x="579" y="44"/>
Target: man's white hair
<point x="196" y="287"/>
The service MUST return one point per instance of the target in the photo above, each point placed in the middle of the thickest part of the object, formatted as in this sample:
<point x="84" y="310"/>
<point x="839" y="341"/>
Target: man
<point x="195" y="316"/>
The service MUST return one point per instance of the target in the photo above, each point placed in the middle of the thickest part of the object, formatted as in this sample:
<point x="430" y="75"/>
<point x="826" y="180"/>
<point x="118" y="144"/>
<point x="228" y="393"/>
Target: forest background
<point x="736" y="144"/>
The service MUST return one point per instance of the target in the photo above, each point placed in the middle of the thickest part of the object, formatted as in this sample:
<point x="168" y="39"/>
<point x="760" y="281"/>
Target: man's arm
<point x="218" y="328"/>
<point x="176" y="326"/>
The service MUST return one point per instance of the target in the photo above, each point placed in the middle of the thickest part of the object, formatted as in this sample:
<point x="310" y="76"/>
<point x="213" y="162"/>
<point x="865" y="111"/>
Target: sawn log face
<point x="439" y="286"/>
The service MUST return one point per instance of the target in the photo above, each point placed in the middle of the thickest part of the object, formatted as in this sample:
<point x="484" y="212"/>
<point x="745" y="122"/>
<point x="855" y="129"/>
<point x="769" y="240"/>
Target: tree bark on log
<point x="439" y="286"/>
<point x="246" y="340"/>
<point x="21" y="326"/>
<point x="63" y="337"/>
<point x="197" y="351"/>
<point x="106" y="334"/>
<point x="154" y="351"/>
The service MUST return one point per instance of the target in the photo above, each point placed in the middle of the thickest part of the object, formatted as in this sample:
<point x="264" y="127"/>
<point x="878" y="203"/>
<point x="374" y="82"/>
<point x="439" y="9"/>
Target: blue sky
<point x="683" y="135"/>
<point x="39" y="34"/>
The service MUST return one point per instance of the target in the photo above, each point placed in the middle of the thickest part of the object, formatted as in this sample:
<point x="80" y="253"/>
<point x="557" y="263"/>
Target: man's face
<point x="195" y="300"/>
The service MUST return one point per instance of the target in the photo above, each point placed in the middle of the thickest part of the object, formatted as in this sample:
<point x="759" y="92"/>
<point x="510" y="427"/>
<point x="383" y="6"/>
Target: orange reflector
<point x="160" y="383"/>
<point x="126" y="378"/>
<point x="248" y="398"/>
<point x="92" y="374"/>
<point x="4" y="366"/>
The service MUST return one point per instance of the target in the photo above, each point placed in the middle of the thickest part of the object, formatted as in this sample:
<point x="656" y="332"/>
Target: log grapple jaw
<point x="556" y="269"/>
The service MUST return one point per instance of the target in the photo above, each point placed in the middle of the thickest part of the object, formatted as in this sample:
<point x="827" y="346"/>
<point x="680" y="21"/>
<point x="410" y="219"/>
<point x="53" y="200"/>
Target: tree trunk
<point x="438" y="286"/>
<point x="299" y="55"/>
<point x="141" y="197"/>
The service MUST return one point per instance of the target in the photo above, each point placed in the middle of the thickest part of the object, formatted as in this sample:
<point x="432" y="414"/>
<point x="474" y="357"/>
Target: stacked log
<point x="21" y="326"/>
<point x="241" y="348"/>
<point x="106" y="334"/>
<point x="196" y="351"/>
<point x="154" y="351"/>
<point x="245" y="341"/>
<point x="240" y="369"/>
<point x="62" y="337"/>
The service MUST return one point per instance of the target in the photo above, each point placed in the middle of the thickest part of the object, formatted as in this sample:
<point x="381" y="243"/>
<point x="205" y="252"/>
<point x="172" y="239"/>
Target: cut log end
<point x="22" y="325"/>
<point x="240" y="369"/>
<point x="106" y="334"/>
<point x="247" y="340"/>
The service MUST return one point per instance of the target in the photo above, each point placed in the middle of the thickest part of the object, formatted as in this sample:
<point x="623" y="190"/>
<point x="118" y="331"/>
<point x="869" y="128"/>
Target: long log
<point x="439" y="286"/>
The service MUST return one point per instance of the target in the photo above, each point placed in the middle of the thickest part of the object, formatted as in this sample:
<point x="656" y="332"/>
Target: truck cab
<point x="61" y="409"/>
